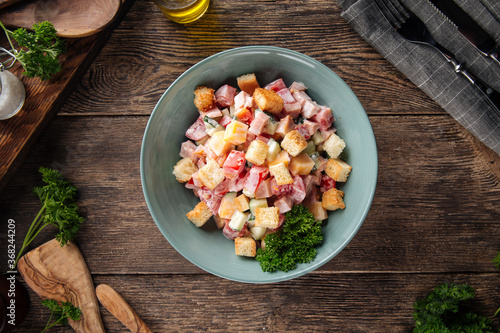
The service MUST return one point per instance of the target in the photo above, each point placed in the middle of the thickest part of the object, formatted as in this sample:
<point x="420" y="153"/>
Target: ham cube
<point x="324" y="118"/>
<point x="214" y="112"/>
<point x="301" y="97"/>
<point x="210" y="198"/>
<point x="276" y="85"/>
<point x="284" y="204"/>
<point x="285" y="125"/>
<point x="224" y="96"/>
<point x="292" y="109"/>
<point x="197" y="130"/>
<point x="258" y="123"/>
<point x="286" y="95"/>
<point x="243" y="100"/>
<point x="311" y="126"/>
<point x="298" y="190"/>
<point x="309" y="109"/>
<point x="297" y="86"/>
<point x="264" y="189"/>
<point x="187" y="150"/>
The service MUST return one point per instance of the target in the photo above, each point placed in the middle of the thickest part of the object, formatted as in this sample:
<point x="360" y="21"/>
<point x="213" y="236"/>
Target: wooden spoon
<point x="60" y="273"/>
<point x="71" y="18"/>
<point x="119" y="308"/>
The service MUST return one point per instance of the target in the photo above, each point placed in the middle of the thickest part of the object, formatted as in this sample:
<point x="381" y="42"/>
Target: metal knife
<point x="483" y="42"/>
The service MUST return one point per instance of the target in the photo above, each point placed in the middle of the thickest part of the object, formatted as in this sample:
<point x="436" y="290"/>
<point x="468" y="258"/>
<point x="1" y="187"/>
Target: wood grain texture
<point x="317" y="302"/>
<point x="434" y="217"/>
<point x="137" y="65"/>
<point x="72" y="19"/>
<point x="61" y="273"/>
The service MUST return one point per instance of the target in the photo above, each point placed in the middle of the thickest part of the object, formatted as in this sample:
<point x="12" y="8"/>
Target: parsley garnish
<point x="60" y="313"/>
<point x="58" y="209"/>
<point x="39" y="50"/>
<point x="294" y="243"/>
<point x="441" y="311"/>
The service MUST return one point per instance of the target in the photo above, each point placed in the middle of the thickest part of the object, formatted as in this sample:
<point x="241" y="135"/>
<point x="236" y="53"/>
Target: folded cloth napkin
<point x="429" y="70"/>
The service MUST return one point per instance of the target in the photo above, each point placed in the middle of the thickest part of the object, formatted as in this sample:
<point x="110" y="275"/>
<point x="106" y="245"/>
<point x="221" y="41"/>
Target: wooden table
<point x="434" y="217"/>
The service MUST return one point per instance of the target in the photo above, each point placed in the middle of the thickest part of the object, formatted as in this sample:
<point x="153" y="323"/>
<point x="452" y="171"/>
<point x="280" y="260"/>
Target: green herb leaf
<point x="59" y="208"/>
<point x="441" y="311"/>
<point x="60" y="313"/>
<point x="39" y="49"/>
<point x="295" y="242"/>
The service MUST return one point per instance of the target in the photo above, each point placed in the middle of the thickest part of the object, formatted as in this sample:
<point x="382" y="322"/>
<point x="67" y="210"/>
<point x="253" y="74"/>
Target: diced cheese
<point x="236" y="132"/>
<point x="301" y="164"/>
<point x="282" y="157"/>
<point x="218" y="145"/>
<point x="227" y="206"/>
<point x="241" y="203"/>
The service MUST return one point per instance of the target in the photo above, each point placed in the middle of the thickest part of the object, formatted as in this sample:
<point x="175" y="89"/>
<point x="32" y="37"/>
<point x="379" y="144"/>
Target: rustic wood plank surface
<point x="434" y="217"/>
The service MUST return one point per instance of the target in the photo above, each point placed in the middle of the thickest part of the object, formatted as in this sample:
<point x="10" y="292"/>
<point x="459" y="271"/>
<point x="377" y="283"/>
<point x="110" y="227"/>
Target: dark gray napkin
<point x="429" y="70"/>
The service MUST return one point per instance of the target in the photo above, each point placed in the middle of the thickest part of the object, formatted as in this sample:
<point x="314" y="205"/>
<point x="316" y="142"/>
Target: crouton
<point x="267" y="217"/>
<point x="332" y="199"/>
<point x="294" y="143"/>
<point x="337" y="169"/>
<point x="211" y="174"/>
<point x="200" y="214"/>
<point x="334" y="145"/>
<point x="184" y="169"/>
<point x="316" y="208"/>
<point x="301" y="164"/>
<point x="248" y="83"/>
<point x="281" y="174"/>
<point x="245" y="246"/>
<point x="204" y="98"/>
<point x="241" y="203"/>
<point x="268" y="100"/>
<point x="257" y="152"/>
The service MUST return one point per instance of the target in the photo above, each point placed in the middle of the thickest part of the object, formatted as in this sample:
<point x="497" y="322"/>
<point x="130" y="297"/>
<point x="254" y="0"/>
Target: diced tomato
<point x="255" y="176"/>
<point x="234" y="164"/>
<point x="327" y="183"/>
<point x="245" y="115"/>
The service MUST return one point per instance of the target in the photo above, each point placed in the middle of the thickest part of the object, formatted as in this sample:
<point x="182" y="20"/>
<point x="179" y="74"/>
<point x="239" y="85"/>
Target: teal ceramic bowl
<point x="169" y="201"/>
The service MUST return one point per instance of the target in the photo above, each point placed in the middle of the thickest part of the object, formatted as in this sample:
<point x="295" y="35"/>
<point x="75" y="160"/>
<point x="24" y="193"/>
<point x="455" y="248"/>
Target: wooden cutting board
<point x="44" y="98"/>
<point x="61" y="273"/>
<point x="71" y="18"/>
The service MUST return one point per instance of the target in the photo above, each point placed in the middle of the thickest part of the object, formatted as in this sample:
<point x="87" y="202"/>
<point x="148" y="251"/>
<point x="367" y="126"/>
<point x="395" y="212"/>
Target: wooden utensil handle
<point x="119" y="308"/>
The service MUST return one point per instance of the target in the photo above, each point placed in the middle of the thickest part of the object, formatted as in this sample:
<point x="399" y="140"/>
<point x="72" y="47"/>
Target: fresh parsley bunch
<point x="292" y="244"/>
<point x="442" y="311"/>
<point x="39" y="49"/>
<point x="60" y="313"/>
<point x="59" y="208"/>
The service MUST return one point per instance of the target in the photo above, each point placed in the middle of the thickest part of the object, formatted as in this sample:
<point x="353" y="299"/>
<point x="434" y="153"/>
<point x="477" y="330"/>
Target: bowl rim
<point x="315" y="264"/>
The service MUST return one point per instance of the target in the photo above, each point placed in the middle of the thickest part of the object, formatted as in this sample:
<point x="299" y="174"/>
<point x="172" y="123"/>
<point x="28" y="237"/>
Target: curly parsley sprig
<point x="443" y="311"/>
<point x="59" y="208"/>
<point x="60" y="313"/>
<point x="38" y="51"/>
<point x="292" y="244"/>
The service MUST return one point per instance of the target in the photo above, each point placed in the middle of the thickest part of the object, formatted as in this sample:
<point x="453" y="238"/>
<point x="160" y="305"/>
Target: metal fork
<point x="410" y="27"/>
